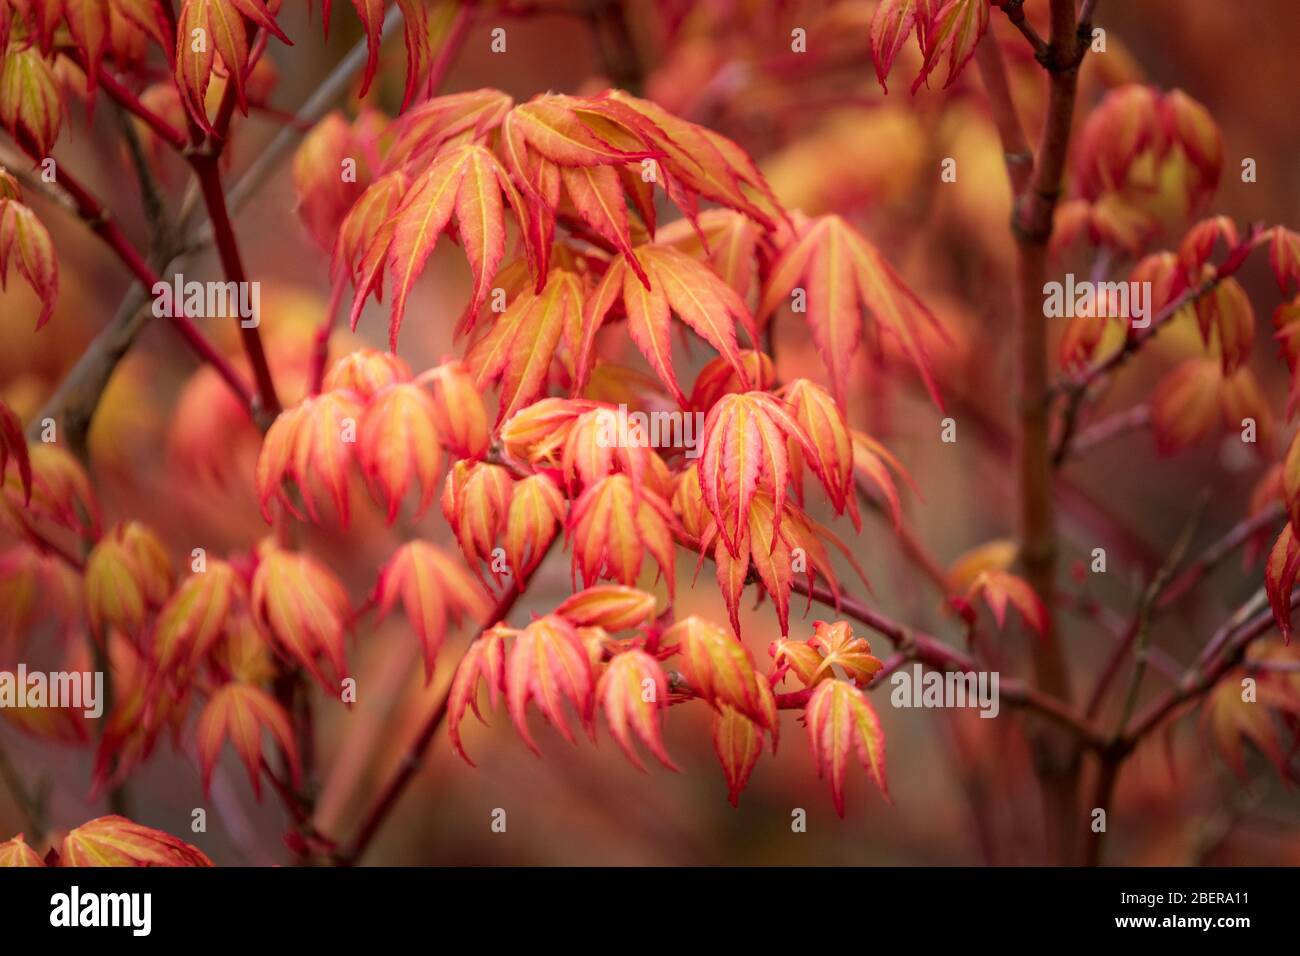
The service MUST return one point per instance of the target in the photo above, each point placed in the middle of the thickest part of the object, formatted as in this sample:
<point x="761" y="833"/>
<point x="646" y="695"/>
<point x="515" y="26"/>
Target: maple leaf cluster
<point x="578" y="179"/>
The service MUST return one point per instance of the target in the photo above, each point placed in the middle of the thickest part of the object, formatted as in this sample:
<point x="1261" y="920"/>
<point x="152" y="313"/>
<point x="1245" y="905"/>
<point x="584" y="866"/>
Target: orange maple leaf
<point x="892" y="23"/>
<point x="519" y="346"/>
<point x="366" y="371"/>
<point x="738" y="742"/>
<point x="536" y="511"/>
<point x="548" y="664"/>
<point x="844" y="275"/>
<point x="744" y="449"/>
<point x="127" y="573"/>
<point x="953" y="28"/>
<point x="841" y="721"/>
<point x="1279" y="578"/>
<point x="241" y="712"/>
<point x="476" y="502"/>
<point x="205" y="28"/>
<point x="614" y="607"/>
<point x="633" y="692"/>
<point x="458" y="409"/>
<point x="485" y="658"/>
<point x="466" y="181"/>
<point x="16" y="852"/>
<point x="195" y="616"/>
<point x="1000" y="588"/>
<point x="720" y="669"/>
<point x="832" y="651"/>
<point x="398" y="444"/>
<point x="30" y="105"/>
<point x="309" y="445"/>
<point x="433" y="587"/>
<point x="303" y="610"/>
<point x="13" y="444"/>
<point x="612" y="526"/>
<point x="25" y="242"/>
<point x="674" y="283"/>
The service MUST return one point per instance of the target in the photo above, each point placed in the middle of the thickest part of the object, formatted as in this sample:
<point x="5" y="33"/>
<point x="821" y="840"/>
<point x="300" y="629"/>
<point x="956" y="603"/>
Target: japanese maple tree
<point x="628" y="262"/>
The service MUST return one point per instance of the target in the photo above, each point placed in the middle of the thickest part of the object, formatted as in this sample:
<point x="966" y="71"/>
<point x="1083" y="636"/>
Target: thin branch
<point x="1002" y="107"/>
<point x="1221" y="637"/>
<point x="384" y="804"/>
<point x="101" y="222"/>
<point x="1237" y="635"/>
<point x="1121" y="423"/>
<point x="1074" y="388"/>
<point x="209" y="174"/>
<point x="151" y="197"/>
<point x="1237" y="536"/>
<point x="1014" y="9"/>
<point x="935" y="653"/>
<point x="1147" y="607"/>
<point x="169" y="134"/>
<point x="79" y="393"/>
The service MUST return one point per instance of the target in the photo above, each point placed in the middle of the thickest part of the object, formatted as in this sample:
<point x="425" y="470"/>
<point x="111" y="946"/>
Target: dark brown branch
<point x="1056" y="756"/>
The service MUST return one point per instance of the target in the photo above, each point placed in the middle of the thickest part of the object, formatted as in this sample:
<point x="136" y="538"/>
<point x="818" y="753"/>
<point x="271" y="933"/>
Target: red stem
<point x="321" y="347"/>
<point x="223" y="234"/>
<point x="1237" y="536"/>
<point x="164" y="130"/>
<point x="101" y="222"/>
<point x="1015" y="148"/>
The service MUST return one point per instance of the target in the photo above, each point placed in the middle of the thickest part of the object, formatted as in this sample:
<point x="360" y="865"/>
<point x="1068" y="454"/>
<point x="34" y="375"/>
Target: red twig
<point x="101" y="222"/>
<point x="411" y="761"/>
<point x="223" y="234"/>
<point x="1214" y="555"/>
<point x="1231" y="265"/>
<point x="164" y="130"/>
<point x="1199" y="681"/>
<point x="1014" y="9"/>
<point x="321" y="346"/>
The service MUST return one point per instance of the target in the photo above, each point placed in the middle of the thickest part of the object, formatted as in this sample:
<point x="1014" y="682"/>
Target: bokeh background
<point x="829" y="140"/>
